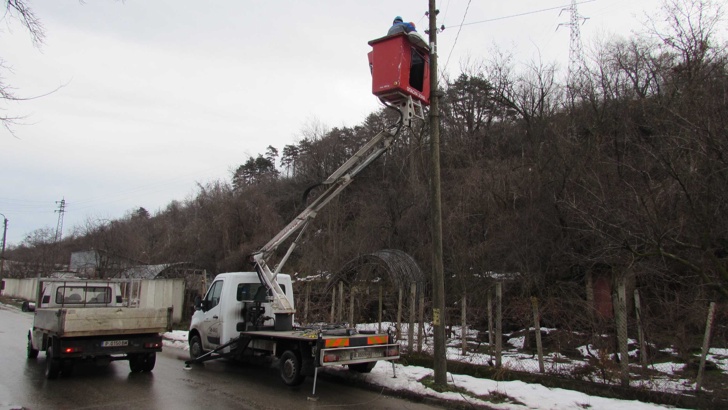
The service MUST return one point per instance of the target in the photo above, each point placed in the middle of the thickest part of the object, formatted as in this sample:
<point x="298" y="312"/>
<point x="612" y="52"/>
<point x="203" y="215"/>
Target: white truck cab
<point x="221" y="314"/>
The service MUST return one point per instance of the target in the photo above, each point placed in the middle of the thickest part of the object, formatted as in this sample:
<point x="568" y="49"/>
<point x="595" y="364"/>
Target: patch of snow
<point x="522" y="395"/>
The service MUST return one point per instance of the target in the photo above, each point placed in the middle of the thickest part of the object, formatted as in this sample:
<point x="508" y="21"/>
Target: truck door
<point x="212" y="322"/>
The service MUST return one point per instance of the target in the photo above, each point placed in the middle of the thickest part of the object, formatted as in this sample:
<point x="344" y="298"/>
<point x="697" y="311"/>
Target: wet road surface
<point x="214" y="385"/>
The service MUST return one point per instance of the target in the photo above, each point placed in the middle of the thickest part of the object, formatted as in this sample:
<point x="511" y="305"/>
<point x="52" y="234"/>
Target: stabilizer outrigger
<point x="237" y="346"/>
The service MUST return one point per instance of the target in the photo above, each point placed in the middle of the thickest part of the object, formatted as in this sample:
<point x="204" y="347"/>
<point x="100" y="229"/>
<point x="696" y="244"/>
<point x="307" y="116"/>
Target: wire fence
<point x="633" y="344"/>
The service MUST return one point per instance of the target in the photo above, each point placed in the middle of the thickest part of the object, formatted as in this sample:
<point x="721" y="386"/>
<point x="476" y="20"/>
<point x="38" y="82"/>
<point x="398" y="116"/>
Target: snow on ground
<point x="506" y="395"/>
<point x="517" y="394"/>
<point x="719" y="357"/>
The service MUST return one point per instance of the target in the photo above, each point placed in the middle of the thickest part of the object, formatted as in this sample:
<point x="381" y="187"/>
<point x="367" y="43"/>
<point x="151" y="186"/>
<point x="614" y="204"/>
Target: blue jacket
<point x="401" y="28"/>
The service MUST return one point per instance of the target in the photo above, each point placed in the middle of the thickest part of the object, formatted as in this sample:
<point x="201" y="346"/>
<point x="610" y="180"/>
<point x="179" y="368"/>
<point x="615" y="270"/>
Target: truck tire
<point x="53" y="365"/>
<point x="362" y="367"/>
<point x="32" y="353"/>
<point x="67" y="367"/>
<point x="142" y="362"/>
<point x="290" y="367"/>
<point x="196" y="349"/>
<point x="135" y="364"/>
<point x="149" y="362"/>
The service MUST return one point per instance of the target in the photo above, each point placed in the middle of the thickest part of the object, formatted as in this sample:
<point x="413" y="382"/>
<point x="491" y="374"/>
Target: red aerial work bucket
<point x="400" y="68"/>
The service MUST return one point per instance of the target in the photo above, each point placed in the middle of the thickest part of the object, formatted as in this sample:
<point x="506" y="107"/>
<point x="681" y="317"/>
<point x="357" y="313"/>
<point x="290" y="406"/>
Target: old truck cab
<point x="80" y="294"/>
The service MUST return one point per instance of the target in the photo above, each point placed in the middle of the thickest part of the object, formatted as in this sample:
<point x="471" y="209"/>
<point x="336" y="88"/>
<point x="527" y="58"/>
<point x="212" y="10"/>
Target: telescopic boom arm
<point x="336" y="183"/>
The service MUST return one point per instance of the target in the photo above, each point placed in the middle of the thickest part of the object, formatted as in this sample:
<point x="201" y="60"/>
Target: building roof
<point x="165" y="270"/>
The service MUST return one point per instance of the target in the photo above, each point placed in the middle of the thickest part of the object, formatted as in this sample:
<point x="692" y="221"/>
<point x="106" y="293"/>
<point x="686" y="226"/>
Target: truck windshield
<point x="83" y="295"/>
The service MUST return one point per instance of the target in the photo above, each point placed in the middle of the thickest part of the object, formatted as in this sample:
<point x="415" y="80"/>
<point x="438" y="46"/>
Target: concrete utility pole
<point x="2" y="254"/>
<point x="438" y="275"/>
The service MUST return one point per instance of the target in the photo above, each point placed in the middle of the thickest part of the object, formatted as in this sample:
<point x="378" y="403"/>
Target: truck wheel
<point x="290" y="367"/>
<point x="53" y="366"/>
<point x="362" y="367"/>
<point x="149" y="361"/>
<point x="135" y="363"/>
<point x="32" y="353"/>
<point x="67" y="367"/>
<point x="196" y="347"/>
<point x="142" y="362"/>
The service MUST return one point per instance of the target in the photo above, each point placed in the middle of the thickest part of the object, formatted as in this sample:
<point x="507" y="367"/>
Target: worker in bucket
<point x="399" y="26"/>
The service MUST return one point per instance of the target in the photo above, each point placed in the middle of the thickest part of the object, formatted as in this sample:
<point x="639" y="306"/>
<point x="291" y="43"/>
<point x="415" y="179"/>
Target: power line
<point x="23" y="201"/>
<point x="520" y="14"/>
<point x="462" y="24"/>
<point x="444" y="15"/>
<point x="457" y="36"/>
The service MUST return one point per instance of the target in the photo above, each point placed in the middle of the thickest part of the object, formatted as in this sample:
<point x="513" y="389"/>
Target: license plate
<point x="114" y="343"/>
<point x="367" y="354"/>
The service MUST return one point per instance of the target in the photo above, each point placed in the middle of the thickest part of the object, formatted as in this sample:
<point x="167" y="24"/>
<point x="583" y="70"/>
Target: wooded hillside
<point x="621" y="171"/>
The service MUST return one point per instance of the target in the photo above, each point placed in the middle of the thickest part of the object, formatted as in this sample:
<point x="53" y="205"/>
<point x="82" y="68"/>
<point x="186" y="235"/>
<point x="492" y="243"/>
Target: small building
<point x="180" y="281"/>
<point x="97" y="263"/>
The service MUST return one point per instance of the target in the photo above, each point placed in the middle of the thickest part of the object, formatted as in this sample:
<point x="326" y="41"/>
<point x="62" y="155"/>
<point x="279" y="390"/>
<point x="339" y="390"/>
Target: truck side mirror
<point x="198" y="303"/>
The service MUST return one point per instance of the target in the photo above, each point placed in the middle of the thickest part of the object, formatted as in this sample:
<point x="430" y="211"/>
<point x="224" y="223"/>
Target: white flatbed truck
<point x="231" y="322"/>
<point x="88" y="320"/>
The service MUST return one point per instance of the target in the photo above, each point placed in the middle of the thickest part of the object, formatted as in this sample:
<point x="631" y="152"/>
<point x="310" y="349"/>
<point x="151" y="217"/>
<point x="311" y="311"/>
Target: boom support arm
<point x="339" y="180"/>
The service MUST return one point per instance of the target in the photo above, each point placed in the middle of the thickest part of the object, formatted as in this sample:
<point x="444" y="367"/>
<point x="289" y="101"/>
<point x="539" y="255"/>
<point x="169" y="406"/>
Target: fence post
<point x="620" y="308"/>
<point x="590" y="296"/>
<point x="498" y="322"/>
<point x="537" y="326"/>
<point x="464" y="326"/>
<point x="340" y="310"/>
<point x="379" y="327"/>
<point x="399" y="315"/>
<point x="333" y="304"/>
<point x="490" y="323"/>
<point x="421" y="327"/>
<point x="411" y="328"/>
<point x="352" y="296"/>
<point x="308" y="300"/>
<point x="706" y="345"/>
<point x="640" y="330"/>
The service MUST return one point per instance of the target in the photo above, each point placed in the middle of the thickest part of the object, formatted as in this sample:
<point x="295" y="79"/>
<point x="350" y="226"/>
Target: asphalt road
<point x="214" y="385"/>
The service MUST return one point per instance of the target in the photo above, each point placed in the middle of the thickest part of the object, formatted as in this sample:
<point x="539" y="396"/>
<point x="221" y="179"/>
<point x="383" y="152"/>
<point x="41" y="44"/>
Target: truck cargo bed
<point x="74" y="322"/>
<point x="329" y="340"/>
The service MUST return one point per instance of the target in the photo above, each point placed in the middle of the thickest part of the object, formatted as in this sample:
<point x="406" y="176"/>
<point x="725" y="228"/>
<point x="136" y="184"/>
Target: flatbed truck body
<point x="88" y="320"/>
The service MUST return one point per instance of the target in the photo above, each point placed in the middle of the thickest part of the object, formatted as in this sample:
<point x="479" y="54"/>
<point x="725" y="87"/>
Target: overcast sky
<point x="147" y="99"/>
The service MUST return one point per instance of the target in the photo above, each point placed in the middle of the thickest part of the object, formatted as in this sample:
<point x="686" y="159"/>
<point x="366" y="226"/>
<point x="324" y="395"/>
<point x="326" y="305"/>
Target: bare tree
<point x="690" y="28"/>
<point x="650" y="179"/>
<point x="20" y="11"/>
